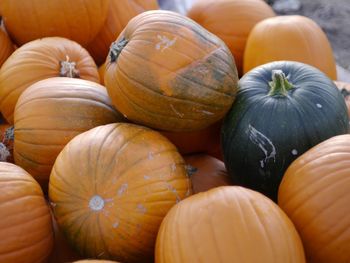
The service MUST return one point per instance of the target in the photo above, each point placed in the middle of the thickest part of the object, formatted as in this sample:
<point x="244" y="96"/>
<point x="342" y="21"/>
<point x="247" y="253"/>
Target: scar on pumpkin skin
<point x="123" y="188"/>
<point x="165" y="42"/>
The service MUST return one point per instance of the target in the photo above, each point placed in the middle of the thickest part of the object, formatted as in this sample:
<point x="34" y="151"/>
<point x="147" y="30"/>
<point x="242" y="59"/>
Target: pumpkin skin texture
<point x="27" y="20"/>
<point x="101" y="72"/>
<point x="228" y="224"/>
<point x="268" y="128"/>
<point x="50" y="113"/>
<point x="119" y="14"/>
<point x="122" y="179"/>
<point x="38" y="60"/>
<point x="315" y="195"/>
<point x="298" y="39"/>
<point x="207" y="172"/>
<point x="6" y="47"/>
<point x="231" y="20"/>
<point x="26" y="234"/>
<point x="167" y="72"/>
<point x="345" y="91"/>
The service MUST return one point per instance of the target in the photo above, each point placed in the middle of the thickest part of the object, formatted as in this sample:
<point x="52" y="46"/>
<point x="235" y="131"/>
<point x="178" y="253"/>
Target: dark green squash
<point x="282" y="109"/>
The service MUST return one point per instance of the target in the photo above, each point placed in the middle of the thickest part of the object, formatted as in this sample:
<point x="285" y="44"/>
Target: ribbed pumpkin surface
<point x="228" y="224"/>
<point x="6" y="47"/>
<point x="38" y="60"/>
<point x="167" y="72"/>
<point x="27" y="20"/>
<point x="50" y="113"/>
<point x="315" y="194"/>
<point x="111" y="187"/>
<point x="26" y="234"/>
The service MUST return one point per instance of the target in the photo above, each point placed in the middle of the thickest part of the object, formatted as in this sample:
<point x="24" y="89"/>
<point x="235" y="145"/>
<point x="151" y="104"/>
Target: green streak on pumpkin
<point x="279" y="84"/>
<point x="116" y="49"/>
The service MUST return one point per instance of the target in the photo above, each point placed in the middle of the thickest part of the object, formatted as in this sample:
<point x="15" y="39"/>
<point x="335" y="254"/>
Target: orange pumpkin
<point x="94" y="261"/>
<point x="38" y="60"/>
<point x="231" y="20"/>
<point x="119" y="14"/>
<point x="6" y="47"/>
<point x="295" y="38"/>
<point x="167" y="72"/>
<point x="206" y="172"/>
<point x="101" y="72"/>
<point x="27" y="20"/>
<point x="315" y="195"/>
<point x="113" y="185"/>
<point x="228" y="224"/>
<point x="345" y="90"/>
<point x="26" y="233"/>
<point x="50" y="113"/>
<point x="6" y="142"/>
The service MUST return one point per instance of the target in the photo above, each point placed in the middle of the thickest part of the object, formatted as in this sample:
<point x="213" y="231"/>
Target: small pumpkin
<point x="6" y="142"/>
<point x="295" y="38"/>
<point x="167" y="72"/>
<point x="26" y="233"/>
<point x="345" y="91"/>
<point x="119" y="14"/>
<point x="206" y="172"/>
<point x="27" y="20"/>
<point x="231" y="20"/>
<point x="282" y="110"/>
<point x="6" y="47"/>
<point x="50" y="113"/>
<point x="121" y="179"/>
<point x="315" y="195"/>
<point x="38" y="60"/>
<point x="228" y="224"/>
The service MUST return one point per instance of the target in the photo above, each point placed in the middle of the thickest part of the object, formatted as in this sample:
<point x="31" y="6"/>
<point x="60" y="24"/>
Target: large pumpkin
<point x="229" y="225"/>
<point x="6" y="47"/>
<point x="26" y="234"/>
<point x="27" y="20"/>
<point x="345" y="91"/>
<point x="231" y="20"/>
<point x="119" y="14"/>
<point x="38" y="60"/>
<point x="282" y="110"/>
<point x="315" y="195"/>
<point x="167" y="72"/>
<point x="111" y="187"/>
<point x="50" y="113"/>
<point x="295" y="38"/>
<point x="206" y="172"/>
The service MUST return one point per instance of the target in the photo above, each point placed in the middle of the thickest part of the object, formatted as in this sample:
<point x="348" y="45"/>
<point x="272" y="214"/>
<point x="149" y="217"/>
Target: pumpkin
<point x="50" y="113"/>
<point x="26" y="234"/>
<point x="315" y="195"/>
<point x="231" y="20"/>
<point x="38" y="60"/>
<point x="228" y="224"/>
<point x="27" y="20"/>
<point x="295" y="38"/>
<point x="94" y="261"/>
<point x="206" y="172"/>
<point x="345" y="91"/>
<point x="168" y="73"/>
<point x="119" y="14"/>
<point x="111" y="187"/>
<point x="6" y="47"/>
<point x="6" y="142"/>
<point x="282" y="110"/>
<point x="101" y="72"/>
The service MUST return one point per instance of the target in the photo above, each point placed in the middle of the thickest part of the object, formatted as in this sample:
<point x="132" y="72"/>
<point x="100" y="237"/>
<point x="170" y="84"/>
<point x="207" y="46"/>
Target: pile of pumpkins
<point x="136" y="134"/>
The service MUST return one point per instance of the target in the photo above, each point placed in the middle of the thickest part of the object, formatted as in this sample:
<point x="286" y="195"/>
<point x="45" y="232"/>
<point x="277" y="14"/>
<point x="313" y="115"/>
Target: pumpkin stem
<point x="345" y="92"/>
<point x="190" y="170"/>
<point x="279" y="84"/>
<point x="116" y="49"/>
<point x="68" y="69"/>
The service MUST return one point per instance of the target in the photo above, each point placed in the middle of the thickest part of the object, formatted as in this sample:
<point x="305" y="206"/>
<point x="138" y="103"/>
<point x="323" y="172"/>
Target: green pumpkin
<point x="282" y="109"/>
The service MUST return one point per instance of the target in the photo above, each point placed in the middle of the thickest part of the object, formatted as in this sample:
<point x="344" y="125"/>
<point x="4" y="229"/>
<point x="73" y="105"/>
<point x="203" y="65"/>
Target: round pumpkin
<point x="345" y="91"/>
<point x="119" y="14"/>
<point x="231" y="20"/>
<point x="6" y="142"/>
<point x="206" y="172"/>
<point x="113" y="185"/>
<point x="26" y="234"/>
<point x="228" y="224"/>
<point x="38" y="60"/>
<point x="50" y="113"/>
<point x="167" y="72"/>
<point x="295" y="38"/>
<point x="315" y="195"/>
<point x="6" y="47"/>
<point x="27" y="20"/>
<point x="282" y="110"/>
